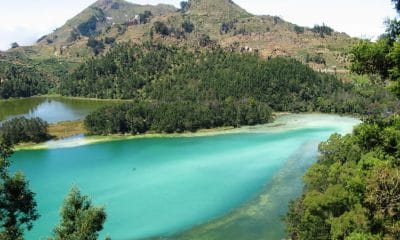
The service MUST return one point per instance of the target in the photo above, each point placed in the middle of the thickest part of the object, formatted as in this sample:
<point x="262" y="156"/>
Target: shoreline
<point x="282" y="122"/>
<point x="67" y="97"/>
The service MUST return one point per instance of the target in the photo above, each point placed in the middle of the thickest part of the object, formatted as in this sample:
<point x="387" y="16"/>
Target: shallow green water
<point x="51" y="109"/>
<point x="230" y="186"/>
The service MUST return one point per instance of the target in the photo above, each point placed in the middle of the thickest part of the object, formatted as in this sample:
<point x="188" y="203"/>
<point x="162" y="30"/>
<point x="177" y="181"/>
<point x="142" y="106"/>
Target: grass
<point x="67" y="129"/>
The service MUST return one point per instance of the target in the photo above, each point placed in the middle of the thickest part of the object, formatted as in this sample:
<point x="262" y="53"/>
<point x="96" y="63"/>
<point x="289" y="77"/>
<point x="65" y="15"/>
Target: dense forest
<point x="144" y="116"/>
<point x="353" y="192"/>
<point x="17" y="80"/>
<point x="186" y="80"/>
<point x="166" y="73"/>
<point x="21" y="130"/>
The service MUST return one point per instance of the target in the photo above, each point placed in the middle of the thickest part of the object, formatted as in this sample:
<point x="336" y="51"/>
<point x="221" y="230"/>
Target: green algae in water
<point x="229" y="186"/>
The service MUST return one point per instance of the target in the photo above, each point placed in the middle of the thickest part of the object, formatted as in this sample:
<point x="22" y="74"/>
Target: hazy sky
<point x="24" y="21"/>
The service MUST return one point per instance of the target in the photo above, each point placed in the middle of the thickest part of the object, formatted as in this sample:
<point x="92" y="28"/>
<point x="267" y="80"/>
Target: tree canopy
<point x="22" y="81"/>
<point x="21" y="129"/>
<point x="18" y="208"/>
<point x="79" y="218"/>
<point x="353" y="192"/>
<point x="381" y="57"/>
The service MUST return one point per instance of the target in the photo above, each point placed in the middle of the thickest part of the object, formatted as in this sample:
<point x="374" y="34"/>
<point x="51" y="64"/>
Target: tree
<point x="298" y="29"/>
<point x="371" y="58"/>
<point x="145" y="17"/>
<point x="381" y="57"/>
<point x="161" y="28"/>
<point x="96" y="45"/>
<point x="188" y="26"/>
<point x="21" y="129"/>
<point x="353" y="191"/>
<point x="14" y="45"/>
<point x="17" y="204"/>
<point x="184" y="6"/>
<point x="322" y="30"/>
<point x="79" y="218"/>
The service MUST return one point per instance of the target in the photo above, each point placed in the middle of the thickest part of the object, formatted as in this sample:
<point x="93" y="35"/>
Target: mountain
<point x="99" y="16"/>
<point x="204" y="23"/>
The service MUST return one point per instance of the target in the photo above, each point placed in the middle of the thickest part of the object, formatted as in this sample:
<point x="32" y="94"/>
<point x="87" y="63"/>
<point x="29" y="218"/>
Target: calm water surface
<point x="230" y="186"/>
<point x="51" y="109"/>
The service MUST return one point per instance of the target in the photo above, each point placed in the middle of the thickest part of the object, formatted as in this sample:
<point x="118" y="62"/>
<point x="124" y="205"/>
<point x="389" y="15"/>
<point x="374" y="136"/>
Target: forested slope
<point x="166" y="75"/>
<point x="353" y="192"/>
<point x="17" y="80"/>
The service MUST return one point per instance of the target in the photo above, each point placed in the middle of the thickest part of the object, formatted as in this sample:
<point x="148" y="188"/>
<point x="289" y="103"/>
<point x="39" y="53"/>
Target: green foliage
<point x="89" y="27"/>
<point x="371" y="58"/>
<point x="17" y="204"/>
<point x="322" y="30"/>
<point x="22" y="81"/>
<point x="161" y="28"/>
<point x="188" y="26"/>
<point x="109" y="40"/>
<point x="392" y="30"/>
<point x="14" y="45"/>
<point x="228" y="26"/>
<point x="79" y="218"/>
<point x="156" y="72"/>
<point x="298" y="29"/>
<point x="353" y="192"/>
<point x="140" y="117"/>
<point x="21" y="129"/>
<point x="381" y="57"/>
<point x="316" y="58"/>
<point x="184" y="6"/>
<point x="97" y="46"/>
<point x="145" y="17"/>
<point x="74" y="35"/>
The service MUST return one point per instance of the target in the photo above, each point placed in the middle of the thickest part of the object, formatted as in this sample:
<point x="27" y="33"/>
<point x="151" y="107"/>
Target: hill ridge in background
<point x="208" y="23"/>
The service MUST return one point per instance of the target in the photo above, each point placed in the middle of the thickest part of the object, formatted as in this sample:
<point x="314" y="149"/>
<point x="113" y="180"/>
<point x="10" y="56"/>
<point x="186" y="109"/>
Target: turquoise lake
<point x="228" y="185"/>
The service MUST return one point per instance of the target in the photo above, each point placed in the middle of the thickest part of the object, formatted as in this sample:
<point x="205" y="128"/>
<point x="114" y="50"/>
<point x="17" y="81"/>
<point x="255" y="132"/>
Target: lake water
<point x="232" y="185"/>
<point x="50" y="109"/>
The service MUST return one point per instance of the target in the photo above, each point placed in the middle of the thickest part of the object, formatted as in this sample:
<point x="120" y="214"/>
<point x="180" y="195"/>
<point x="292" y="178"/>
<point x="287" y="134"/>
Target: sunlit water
<point x="165" y="186"/>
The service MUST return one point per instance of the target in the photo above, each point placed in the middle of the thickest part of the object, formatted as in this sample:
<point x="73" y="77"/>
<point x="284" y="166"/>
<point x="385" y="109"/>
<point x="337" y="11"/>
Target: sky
<point x="25" y="21"/>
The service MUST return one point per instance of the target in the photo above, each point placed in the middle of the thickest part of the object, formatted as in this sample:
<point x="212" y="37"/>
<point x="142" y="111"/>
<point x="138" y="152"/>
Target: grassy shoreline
<point x="93" y="139"/>
<point x="72" y="134"/>
<point x="70" y="129"/>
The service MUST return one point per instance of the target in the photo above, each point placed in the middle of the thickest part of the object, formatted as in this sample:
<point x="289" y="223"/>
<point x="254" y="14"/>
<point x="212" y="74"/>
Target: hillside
<point x="208" y="23"/>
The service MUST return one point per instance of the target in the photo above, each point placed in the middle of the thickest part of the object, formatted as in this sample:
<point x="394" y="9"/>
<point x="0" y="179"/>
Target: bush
<point x="188" y="26"/>
<point x="298" y="29"/>
<point x="97" y="46"/>
<point x="14" y="45"/>
<point x="322" y="30"/>
<point x="161" y="28"/>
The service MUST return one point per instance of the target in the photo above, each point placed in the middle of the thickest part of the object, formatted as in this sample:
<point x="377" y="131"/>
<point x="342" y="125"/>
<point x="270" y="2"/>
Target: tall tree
<point x="17" y="204"/>
<point x="79" y="218"/>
